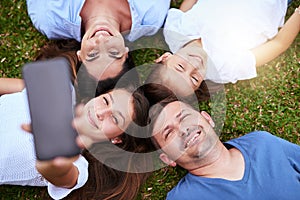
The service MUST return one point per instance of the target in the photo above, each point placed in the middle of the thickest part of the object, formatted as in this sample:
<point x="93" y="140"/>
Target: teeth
<point x="102" y="32"/>
<point x="192" y="139"/>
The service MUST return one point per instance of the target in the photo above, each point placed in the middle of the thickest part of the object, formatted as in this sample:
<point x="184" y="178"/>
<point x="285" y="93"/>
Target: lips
<point x="101" y="31"/>
<point x="193" y="138"/>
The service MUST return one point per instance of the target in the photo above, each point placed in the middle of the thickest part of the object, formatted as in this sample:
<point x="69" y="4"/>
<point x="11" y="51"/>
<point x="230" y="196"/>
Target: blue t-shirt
<point x="272" y="171"/>
<point x="60" y="19"/>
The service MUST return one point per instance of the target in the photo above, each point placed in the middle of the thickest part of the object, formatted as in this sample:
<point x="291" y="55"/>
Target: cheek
<point x="173" y="148"/>
<point x="111" y="130"/>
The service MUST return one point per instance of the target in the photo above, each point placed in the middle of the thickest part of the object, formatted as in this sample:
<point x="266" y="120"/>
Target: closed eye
<point x="194" y="80"/>
<point x="92" y="56"/>
<point x="105" y="101"/>
<point x="114" y="53"/>
<point x="179" y="68"/>
<point x="167" y="133"/>
<point x="114" y="119"/>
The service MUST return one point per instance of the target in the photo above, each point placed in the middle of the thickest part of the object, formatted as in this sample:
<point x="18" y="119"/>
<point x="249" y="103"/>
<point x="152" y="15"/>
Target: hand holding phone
<point x="48" y="86"/>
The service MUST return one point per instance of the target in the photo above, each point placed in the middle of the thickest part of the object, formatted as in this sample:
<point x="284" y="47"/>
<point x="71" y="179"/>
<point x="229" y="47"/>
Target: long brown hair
<point x="105" y="182"/>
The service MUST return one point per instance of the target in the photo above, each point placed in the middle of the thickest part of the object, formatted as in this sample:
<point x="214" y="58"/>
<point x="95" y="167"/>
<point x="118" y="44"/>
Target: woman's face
<point x="106" y="116"/>
<point x="103" y="51"/>
<point x="185" y="70"/>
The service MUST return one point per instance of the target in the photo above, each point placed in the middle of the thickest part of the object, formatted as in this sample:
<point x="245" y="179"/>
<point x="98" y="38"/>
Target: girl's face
<point x="106" y="116"/>
<point x="103" y="51"/>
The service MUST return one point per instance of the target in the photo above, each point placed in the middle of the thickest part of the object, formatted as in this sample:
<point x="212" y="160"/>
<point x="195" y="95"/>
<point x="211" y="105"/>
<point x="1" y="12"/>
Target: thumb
<point x="27" y="128"/>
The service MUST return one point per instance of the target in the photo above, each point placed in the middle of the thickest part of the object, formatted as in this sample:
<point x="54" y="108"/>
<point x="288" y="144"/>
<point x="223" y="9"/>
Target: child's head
<point x="182" y="72"/>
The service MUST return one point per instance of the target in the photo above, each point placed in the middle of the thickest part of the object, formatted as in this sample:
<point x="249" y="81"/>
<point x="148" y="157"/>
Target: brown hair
<point x="105" y="182"/>
<point x="157" y="90"/>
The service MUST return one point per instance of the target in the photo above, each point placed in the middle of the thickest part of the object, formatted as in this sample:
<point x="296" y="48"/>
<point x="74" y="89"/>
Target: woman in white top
<point x="235" y="37"/>
<point x="97" y="24"/>
<point x="103" y="119"/>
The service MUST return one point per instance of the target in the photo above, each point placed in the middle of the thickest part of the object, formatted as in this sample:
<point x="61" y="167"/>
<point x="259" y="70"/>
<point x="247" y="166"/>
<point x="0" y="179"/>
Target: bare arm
<point x="187" y="4"/>
<point x="60" y="172"/>
<point x="280" y="43"/>
<point x="11" y="85"/>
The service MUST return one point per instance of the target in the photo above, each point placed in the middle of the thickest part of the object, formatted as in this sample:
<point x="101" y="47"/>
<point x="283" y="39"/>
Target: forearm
<point x="187" y="4"/>
<point x="280" y="43"/>
<point x="60" y="173"/>
<point x="11" y="85"/>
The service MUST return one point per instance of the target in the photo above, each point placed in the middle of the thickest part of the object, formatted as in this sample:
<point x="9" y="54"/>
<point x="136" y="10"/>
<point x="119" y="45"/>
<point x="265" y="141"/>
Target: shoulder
<point x="56" y="19"/>
<point x="256" y="136"/>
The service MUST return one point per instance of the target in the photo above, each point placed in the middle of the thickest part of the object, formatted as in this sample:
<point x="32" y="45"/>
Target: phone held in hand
<point x="48" y="85"/>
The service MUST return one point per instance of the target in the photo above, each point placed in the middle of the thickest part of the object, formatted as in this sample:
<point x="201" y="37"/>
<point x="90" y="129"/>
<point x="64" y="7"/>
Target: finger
<point x="62" y="161"/>
<point x="27" y="128"/>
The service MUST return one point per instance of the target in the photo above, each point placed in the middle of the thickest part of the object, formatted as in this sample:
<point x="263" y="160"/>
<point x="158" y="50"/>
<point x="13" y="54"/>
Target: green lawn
<point x="269" y="102"/>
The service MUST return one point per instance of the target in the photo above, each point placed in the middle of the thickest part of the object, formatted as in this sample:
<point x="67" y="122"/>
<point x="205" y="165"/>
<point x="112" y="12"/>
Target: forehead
<point x="120" y="96"/>
<point x="123" y="99"/>
<point x="175" y="81"/>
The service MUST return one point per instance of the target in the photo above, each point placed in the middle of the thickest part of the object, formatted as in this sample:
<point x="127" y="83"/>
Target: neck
<point x="116" y="12"/>
<point x="226" y="164"/>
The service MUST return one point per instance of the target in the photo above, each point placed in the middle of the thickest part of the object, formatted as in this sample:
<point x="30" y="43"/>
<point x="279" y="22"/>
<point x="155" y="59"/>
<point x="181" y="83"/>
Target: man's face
<point x="184" y="134"/>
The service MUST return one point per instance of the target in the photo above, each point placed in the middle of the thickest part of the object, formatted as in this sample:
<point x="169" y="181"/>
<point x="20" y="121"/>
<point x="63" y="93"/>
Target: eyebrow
<point x="118" y="112"/>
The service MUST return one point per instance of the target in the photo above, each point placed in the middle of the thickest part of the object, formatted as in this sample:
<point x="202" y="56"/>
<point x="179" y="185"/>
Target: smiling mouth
<point x="193" y="140"/>
<point x="102" y="31"/>
<point x="90" y="119"/>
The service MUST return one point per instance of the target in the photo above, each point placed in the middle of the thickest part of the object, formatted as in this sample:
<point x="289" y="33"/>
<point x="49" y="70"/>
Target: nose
<point x="100" y="39"/>
<point x="184" y="132"/>
<point x="102" y="113"/>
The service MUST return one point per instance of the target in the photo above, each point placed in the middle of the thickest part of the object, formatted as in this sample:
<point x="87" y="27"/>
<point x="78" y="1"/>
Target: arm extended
<point x="187" y="4"/>
<point x="280" y="43"/>
<point x="11" y="85"/>
<point x="61" y="172"/>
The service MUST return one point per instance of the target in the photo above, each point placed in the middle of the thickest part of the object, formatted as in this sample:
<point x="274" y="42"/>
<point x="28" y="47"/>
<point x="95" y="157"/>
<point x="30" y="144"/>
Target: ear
<point x="78" y="53"/>
<point x="126" y="52"/>
<point x="126" y="49"/>
<point x="116" y="140"/>
<point x="208" y="118"/>
<point x="163" y="57"/>
<point x="167" y="160"/>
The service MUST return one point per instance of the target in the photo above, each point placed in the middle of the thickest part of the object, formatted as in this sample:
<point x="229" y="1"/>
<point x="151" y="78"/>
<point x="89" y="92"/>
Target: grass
<point x="269" y="102"/>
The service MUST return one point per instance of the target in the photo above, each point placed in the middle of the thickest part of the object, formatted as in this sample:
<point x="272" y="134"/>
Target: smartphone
<point x="49" y="90"/>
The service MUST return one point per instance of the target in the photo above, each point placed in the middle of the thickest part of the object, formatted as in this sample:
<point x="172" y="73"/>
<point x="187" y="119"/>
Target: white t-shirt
<point x="17" y="157"/>
<point x="228" y="30"/>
